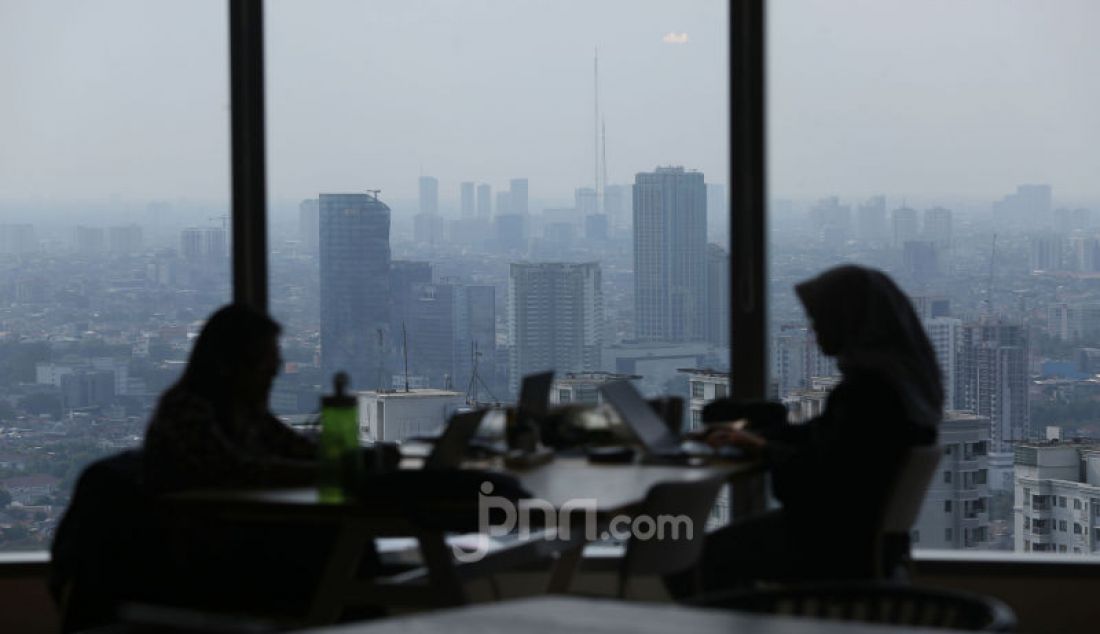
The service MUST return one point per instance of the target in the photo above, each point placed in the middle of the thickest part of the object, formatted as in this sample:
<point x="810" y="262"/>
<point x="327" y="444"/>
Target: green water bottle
<point x="341" y="464"/>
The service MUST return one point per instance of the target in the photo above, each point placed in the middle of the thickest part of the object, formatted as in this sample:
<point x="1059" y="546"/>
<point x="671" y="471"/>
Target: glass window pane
<point x="952" y="146"/>
<point x="114" y="195"/>
<point x="522" y="187"/>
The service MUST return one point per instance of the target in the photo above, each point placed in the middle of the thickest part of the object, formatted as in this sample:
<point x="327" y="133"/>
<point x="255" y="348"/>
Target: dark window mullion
<point x="246" y="96"/>
<point x="748" y="201"/>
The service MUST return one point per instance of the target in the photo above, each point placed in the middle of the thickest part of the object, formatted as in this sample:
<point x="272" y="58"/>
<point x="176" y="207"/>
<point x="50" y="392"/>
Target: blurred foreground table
<point x="566" y="615"/>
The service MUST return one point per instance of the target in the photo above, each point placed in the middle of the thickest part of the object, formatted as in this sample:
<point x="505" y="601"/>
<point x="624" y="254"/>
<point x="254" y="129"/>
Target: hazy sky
<point x="956" y="97"/>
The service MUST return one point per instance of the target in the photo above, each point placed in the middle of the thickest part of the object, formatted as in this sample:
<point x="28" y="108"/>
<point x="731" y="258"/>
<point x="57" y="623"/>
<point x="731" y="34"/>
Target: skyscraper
<point x="994" y="379"/>
<point x="467" y="200"/>
<point x="504" y="203"/>
<point x="1048" y="252"/>
<point x="125" y="239"/>
<point x="88" y="240"/>
<point x="670" y="256"/>
<point x="614" y="197"/>
<point x="484" y="201"/>
<point x="1028" y="207"/>
<point x="718" y="295"/>
<point x="831" y="221"/>
<point x="429" y="195"/>
<point x="404" y="276"/>
<point x="555" y="318"/>
<point x="905" y="226"/>
<point x="448" y="323"/>
<point x="938" y="227"/>
<point x="945" y="334"/>
<point x="355" y="287"/>
<point x="585" y="201"/>
<point x="517" y="196"/>
<point x="871" y="221"/>
<point x="308" y="224"/>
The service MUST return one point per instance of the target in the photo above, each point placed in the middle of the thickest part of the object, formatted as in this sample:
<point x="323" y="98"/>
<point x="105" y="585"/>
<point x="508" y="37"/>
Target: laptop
<point x="652" y="432"/>
<point x="534" y="393"/>
<point x="450" y="446"/>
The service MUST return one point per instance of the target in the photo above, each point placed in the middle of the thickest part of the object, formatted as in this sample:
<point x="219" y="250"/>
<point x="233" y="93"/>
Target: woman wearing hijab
<point x="213" y="427"/>
<point x="833" y="474"/>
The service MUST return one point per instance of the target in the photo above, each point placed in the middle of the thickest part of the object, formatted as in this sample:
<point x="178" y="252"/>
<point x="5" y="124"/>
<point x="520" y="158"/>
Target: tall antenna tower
<point x="603" y="159"/>
<point x="596" y="125"/>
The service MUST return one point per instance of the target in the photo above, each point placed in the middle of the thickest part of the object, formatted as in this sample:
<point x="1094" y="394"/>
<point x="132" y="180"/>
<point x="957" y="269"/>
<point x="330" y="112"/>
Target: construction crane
<point x="374" y="193"/>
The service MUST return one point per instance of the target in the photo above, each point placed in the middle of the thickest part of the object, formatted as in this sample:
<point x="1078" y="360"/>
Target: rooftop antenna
<point x="405" y="347"/>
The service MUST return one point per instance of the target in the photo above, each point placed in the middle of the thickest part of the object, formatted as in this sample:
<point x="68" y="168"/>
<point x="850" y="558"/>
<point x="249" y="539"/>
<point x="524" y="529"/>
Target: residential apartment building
<point x="955" y="513"/>
<point x="1057" y="508"/>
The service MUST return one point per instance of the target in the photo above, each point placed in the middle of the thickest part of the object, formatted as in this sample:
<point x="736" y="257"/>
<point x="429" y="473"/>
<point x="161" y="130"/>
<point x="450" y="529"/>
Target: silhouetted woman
<point x="833" y="474"/>
<point x="213" y="428"/>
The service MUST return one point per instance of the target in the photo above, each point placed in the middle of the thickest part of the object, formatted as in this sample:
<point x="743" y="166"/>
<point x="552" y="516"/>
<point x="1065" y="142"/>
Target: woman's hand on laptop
<point x="732" y="434"/>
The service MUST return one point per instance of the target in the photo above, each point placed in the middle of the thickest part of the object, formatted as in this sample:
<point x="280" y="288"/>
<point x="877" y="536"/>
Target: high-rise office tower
<point x="994" y="379"/>
<point x="1028" y="207"/>
<point x="355" y="287"/>
<point x="404" y="276"/>
<point x="555" y="318"/>
<point x="484" y="201"/>
<point x="17" y="238"/>
<point x="510" y="232"/>
<point x="718" y="295"/>
<point x="938" y="227"/>
<point x="831" y="221"/>
<point x="797" y="360"/>
<point x="191" y="247"/>
<point x="88" y="240"/>
<point x="517" y="196"/>
<point x="871" y="221"/>
<point x="718" y="215"/>
<point x="921" y="260"/>
<point x="448" y="325"/>
<point x="1085" y="251"/>
<point x="216" y="243"/>
<point x="476" y="337"/>
<point x="596" y="227"/>
<point x="308" y="224"/>
<point x="670" y="255"/>
<point x="614" y="205"/>
<point x="504" y="203"/>
<point x="905" y="226"/>
<point x="585" y="201"/>
<point x="945" y="334"/>
<point x="1048" y="252"/>
<point x="467" y="190"/>
<point x="428" y="228"/>
<point x="125" y="239"/>
<point x="429" y="195"/>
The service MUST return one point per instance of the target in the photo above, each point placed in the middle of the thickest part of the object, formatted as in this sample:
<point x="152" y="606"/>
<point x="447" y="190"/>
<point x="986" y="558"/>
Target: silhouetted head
<point x="235" y="357"/>
<point x="862" y="318"/>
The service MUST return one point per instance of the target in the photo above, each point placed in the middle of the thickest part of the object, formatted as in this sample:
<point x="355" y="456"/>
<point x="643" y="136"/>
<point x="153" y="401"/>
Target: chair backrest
<point x="875" y="603"/>
<point x="677" y="514"/>
<point x="914" y="474"/>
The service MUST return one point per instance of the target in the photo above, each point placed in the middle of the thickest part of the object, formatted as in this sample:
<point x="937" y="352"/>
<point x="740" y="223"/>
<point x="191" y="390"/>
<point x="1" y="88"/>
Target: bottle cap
<point x="340" y="396"/>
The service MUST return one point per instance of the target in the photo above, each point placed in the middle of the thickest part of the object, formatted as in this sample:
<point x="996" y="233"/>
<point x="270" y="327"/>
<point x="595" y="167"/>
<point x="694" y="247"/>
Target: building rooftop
<point x="413" y="393"/>
<point x="592" y="377"/>
<point x="709" y="372"/>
